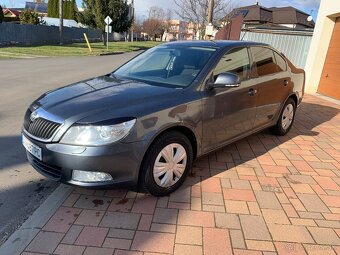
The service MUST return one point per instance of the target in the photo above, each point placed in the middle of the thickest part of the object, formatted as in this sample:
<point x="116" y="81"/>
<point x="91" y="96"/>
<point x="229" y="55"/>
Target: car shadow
<point x="12" y="151"/>
<point x="245" y="153"/>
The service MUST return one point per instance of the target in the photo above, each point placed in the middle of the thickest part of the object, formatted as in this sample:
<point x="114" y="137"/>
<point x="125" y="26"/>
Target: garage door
<point x="330" y="79"/>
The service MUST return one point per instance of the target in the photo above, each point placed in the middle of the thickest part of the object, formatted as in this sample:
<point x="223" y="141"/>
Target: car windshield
<point x="167" y="66"/>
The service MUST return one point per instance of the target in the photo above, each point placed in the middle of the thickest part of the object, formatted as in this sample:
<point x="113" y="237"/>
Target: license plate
<point x="32" y="148"/>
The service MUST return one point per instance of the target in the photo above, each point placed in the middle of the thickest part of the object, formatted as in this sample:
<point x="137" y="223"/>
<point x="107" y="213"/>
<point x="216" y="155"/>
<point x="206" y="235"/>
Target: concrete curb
<point x="18" y="241"/>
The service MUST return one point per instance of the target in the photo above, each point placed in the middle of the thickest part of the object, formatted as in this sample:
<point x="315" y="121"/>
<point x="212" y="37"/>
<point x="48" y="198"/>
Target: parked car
<point x="145" y="123"/>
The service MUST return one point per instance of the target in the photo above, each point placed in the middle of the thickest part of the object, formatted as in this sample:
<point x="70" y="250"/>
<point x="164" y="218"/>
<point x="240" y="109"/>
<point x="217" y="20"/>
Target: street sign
<point x="108" y="20"/>
<point x="108" y="29"/>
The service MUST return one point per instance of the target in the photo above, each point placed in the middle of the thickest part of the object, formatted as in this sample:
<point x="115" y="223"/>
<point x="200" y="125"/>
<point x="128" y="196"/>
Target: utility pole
<point x="211" y="12"/>
<point x="209" y="28"/>
<point x="132" y="16"/>
<point x="61" y="22"/>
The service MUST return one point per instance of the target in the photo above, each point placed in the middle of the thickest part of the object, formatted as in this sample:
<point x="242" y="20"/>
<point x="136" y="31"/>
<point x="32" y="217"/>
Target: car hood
<point x="102" y="98"/>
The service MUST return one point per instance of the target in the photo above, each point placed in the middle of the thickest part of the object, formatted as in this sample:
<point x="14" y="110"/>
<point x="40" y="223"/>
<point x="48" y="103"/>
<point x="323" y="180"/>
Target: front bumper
<point x="121" y="160"/>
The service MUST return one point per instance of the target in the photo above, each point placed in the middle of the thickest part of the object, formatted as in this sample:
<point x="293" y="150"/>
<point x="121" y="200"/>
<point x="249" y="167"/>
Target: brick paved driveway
<point x="262" y="195"/>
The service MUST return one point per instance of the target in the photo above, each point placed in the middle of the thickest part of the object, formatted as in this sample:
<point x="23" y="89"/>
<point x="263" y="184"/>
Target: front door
<point x="229" y="112"/>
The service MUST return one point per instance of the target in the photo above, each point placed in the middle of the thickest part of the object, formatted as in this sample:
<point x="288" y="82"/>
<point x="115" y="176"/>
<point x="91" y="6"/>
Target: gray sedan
<point x="145" y="123"/>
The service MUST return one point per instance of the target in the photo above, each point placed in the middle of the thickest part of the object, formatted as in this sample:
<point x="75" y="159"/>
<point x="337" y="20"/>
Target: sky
<point x="142" y="6"/>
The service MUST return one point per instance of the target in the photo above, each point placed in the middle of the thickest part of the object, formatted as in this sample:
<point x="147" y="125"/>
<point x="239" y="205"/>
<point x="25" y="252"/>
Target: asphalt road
<point x="22" y="189"/>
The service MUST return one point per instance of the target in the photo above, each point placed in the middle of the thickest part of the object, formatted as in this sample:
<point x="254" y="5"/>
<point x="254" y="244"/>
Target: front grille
<point x="53" y="172"/>
<point x="40" y="128"/>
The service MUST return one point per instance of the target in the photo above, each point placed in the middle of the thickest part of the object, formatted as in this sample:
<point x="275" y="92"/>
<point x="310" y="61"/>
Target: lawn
<point x="75" y="49"/>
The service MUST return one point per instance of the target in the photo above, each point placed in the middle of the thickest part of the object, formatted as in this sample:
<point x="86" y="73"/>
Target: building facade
<point x="323" y="62"/>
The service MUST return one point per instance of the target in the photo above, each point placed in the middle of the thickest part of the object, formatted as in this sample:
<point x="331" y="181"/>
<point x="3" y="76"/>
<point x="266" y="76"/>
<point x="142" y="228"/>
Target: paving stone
<point x="211" y="185"/>
<point x="165" y="215"/>
<point x="246" y="252"/>
<point x="189" y="235"/>
<point x="216" y="241"/>
<point x="162" y="202"/>
<point x="211" y="198"/>
<point x="237" y="239"/>
<point x="313" y="203"/>
<point x="254" y="228"/>
<point x="165" y="228"/>
<point x="71" y="199"/>
<point x="275" y="216"/>
<point x="45" y="242"/>
<point x="145" y="222"/>
<point x="116" y="243"/>
<point x="319" y="249"/>
<point x="93" y="202"/>
<point x="92" y="236"/>
<point x="121" y="205"/>
<point x="214" y="208"/>
<point x="254" y="208"/>
<point x="89" y="218"/>
<point x="72" y="234"/>
<point x="125" y="252"/>
<point x="144" y="204"/>
<point x="324" y="236"/>
<point x="290" y="248"/>
<point x="118" y="193"/>
<point x="161" y="242"/>
<point x="239" y="184"/>
<point x="227" y="220"/>
<point x="181" y="249"/>
<point x="302" y="222"/>
<point x="65" y="249"/>
<point x="302" y="188"/>
<point x="121" y="233"/>
<point x="328" y="223"/>
<point x="177" y="205"/>
<point x="238" y="194"/>
<point x="236" y="207"/>
<point x="120" y="220"/>
<point x="331" y="201"/>
<point x="290" y="233"/>
<point x="260" y="245"/>
<point x="182" y="195"/>
<point x="62" y="220"/>
<point x="98" y="251"/>
<point x="267" y="200"/>
<point x="196" y="218"/>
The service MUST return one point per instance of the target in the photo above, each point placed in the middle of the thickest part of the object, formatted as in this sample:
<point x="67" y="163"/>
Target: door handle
<point x="285" y="82"/>
<point x="252" y="92"/>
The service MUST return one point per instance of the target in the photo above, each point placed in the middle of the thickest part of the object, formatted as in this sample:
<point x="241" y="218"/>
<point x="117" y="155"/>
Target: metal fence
<point x="294" y="44"/>
<point x="12" y="34"/>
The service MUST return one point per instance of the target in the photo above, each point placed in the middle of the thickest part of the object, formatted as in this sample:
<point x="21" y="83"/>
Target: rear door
<point x="271" y="75"/>
<point x="229" y="112"/>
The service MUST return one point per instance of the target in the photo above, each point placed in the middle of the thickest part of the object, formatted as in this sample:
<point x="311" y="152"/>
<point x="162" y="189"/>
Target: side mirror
<point x="226" y="80"/>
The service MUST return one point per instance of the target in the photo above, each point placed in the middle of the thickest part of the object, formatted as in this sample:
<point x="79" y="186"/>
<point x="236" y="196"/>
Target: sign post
<point x="108" y="21"/>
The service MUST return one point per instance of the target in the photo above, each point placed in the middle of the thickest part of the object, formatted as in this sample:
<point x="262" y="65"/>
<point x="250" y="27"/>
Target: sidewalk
<point x="263" y="195"/>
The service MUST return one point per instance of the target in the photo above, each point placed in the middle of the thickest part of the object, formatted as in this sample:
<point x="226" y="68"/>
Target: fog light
<point x="86" y="176"/>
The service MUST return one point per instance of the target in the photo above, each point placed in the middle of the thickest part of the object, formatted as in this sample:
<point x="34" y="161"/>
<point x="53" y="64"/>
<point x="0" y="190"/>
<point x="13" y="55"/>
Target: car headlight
<point x="93" y="135"/>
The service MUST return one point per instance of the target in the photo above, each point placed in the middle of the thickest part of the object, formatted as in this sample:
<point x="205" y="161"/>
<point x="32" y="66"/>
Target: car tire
<point x="160" y="174"/>
<point x="286" y="118"/>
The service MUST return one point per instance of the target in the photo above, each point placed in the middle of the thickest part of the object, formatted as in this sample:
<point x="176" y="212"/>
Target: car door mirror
<point x="226" y="80"/>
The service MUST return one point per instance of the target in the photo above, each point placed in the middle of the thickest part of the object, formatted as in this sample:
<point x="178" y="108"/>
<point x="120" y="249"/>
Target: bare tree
<point x="158" y="22"/>
<point x="196" y="11"/>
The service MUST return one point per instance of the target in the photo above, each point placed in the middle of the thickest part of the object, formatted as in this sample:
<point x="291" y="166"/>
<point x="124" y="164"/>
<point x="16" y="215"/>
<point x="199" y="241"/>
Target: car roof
<point x="215" y="44"/>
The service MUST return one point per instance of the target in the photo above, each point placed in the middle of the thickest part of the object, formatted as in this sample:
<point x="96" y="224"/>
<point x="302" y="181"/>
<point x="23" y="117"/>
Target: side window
<point x="235" y="61"/>
<point x="264" y="61"/>
<point x="281" y="63"/>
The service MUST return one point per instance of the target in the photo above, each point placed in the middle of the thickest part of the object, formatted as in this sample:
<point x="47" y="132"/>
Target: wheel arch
<point x="178" y="128"/>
